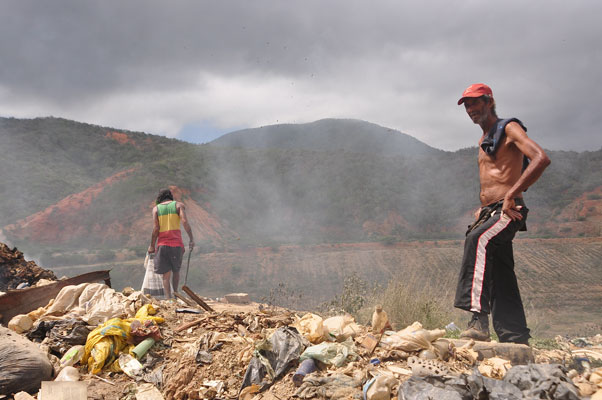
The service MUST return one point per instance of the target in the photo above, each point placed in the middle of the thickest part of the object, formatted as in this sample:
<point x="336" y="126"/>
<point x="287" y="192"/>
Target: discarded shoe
<point x="478" y="328"/>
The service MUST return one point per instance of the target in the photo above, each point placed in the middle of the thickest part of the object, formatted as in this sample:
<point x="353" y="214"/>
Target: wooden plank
<point x="196" y="298"/>
<point x="189" y="324"/>
<point x="184" y="299"/>
<point x="22" y="301"/>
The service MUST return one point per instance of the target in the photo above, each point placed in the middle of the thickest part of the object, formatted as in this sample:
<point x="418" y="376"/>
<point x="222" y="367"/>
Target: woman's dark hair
<point x="164" y="194"/>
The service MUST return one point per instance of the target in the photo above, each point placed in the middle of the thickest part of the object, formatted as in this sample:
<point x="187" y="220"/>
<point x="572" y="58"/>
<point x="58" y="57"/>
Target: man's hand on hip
<point x="511" y="209"/>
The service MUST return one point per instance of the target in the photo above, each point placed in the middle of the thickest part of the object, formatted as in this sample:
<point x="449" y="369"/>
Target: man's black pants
<point x="487" y="282"/>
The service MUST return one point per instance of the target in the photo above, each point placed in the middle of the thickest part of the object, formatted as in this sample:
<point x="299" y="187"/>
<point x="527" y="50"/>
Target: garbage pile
<point x="15" y="271"/>
<point x="112" y="345"/>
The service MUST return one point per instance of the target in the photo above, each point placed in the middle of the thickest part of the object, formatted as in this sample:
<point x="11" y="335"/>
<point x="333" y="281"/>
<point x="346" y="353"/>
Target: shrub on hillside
<point x="404" y="301"/>
<point x="407" y="302"/>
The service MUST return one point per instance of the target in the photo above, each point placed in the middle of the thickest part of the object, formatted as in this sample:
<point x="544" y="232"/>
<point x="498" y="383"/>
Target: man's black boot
<point x="478" y="328"/>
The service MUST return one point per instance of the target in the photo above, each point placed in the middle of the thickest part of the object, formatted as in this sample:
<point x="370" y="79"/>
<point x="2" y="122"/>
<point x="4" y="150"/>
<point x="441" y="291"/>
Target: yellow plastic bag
<point x="105" y="343"/>
<point x="145" y="312"/>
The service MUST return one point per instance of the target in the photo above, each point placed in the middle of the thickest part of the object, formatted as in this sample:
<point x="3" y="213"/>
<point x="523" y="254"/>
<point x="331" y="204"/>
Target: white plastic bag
<point x="312" y="327"/>
<point x="153" y="282"/>
<point x="342" y="327"/>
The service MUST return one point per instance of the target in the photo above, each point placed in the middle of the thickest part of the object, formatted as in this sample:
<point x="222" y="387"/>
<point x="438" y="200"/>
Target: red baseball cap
<point x="475" y="90"/>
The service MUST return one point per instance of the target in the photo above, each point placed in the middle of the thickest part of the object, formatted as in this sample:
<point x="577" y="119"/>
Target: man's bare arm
<point x="155" y="235"/>
<point x="539" y="162"/>
<point x="182" y="212"/>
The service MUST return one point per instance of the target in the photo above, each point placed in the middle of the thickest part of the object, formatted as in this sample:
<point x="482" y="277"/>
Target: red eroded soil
<point x="582" y="217"/>
<point x="386" y="226"/>
<point x="204" y="225"/>
<point x="121" y="138"/>
<point x="62" y="222"/>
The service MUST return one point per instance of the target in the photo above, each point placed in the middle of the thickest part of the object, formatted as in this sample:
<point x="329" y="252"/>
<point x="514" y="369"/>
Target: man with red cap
<point x="509" y="162"/>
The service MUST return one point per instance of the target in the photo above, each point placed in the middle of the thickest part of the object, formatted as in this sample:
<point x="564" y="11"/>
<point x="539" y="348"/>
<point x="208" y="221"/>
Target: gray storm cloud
<point x="156" y="66"/>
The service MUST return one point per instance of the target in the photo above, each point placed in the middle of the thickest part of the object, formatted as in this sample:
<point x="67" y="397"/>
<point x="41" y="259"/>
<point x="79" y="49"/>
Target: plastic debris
<point x="311" y="326"/>
<point x="306" y="367"/>
<point x="330" y="353"/>
<point x="273" y="357"/>
<point x="68" y="374"/>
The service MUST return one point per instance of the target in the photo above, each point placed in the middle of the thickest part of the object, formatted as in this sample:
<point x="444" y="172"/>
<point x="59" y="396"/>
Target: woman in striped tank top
<point x="167" y="216"/>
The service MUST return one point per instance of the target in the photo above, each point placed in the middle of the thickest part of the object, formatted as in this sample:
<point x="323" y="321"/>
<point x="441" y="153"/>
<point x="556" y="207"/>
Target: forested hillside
<point x="99" y="183"/>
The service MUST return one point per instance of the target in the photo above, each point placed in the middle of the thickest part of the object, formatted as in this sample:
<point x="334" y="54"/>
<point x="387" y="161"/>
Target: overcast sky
<point x="199" y="69"/>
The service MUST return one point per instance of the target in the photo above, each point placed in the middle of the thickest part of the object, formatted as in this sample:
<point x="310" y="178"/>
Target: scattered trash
<point x="421" y="367"/>
<point x="68" y="374"/>
<point x="335" y="386"/>
<point x="494" y="367"/>
<point x="465" y="386"/>
<point x="413" y="338"/>
<point x="106" y="342"/>
<point x="152" y="284"/>
<point x="203" y="357"/>
<point x="20" y="323"/>
<point x="23" y="366"/>
<point x="306" y="367"/>
<point x="311" y="326"/>
<point x="380" y="319"/>
<point x="452" y="327"/>
<point x="188" y="310"/>
<point x="375" y="361"/>
<point x="147" y="391"/>
<point x="273" y="357"/>
<point x="379" y="388"/>
<point x="369" y="342"/>
<point x="144" y="329"/>
<point x="65" y="334"/>
<point x="542" y="381"/>
<point x="63" y="391"/>
<point x="23" y="396"/>
<point x="247" y="349"/>
<point x="237" y="298"/>
<point x="140" y="350"/>
<point x="130" y="365"/>
<point x="15" y="270"/>
<point x="216" y="385"/>
<point x="331" y="353"/>
<point x="341" y="327"/>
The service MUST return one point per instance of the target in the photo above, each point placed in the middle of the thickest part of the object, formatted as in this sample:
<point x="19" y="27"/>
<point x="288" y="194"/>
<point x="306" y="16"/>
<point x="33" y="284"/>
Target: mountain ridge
<point x="270" y="195"/>
<point x="328" y="134"/>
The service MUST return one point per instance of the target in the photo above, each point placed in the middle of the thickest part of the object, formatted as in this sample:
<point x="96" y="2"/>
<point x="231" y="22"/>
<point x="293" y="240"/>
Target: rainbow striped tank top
<point x="169" y="225"/>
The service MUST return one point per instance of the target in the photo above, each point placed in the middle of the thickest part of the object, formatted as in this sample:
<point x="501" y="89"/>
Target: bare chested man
<point x="487" y="283"/>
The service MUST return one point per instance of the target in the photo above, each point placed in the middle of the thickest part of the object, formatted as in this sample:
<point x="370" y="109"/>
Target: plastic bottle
<point x="379" y="319"/>
<point x="306" y="367"/>
<point x="72" y="356"/>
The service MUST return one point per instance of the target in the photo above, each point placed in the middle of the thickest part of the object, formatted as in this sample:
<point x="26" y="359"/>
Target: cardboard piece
<point x="64" y="391"/>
